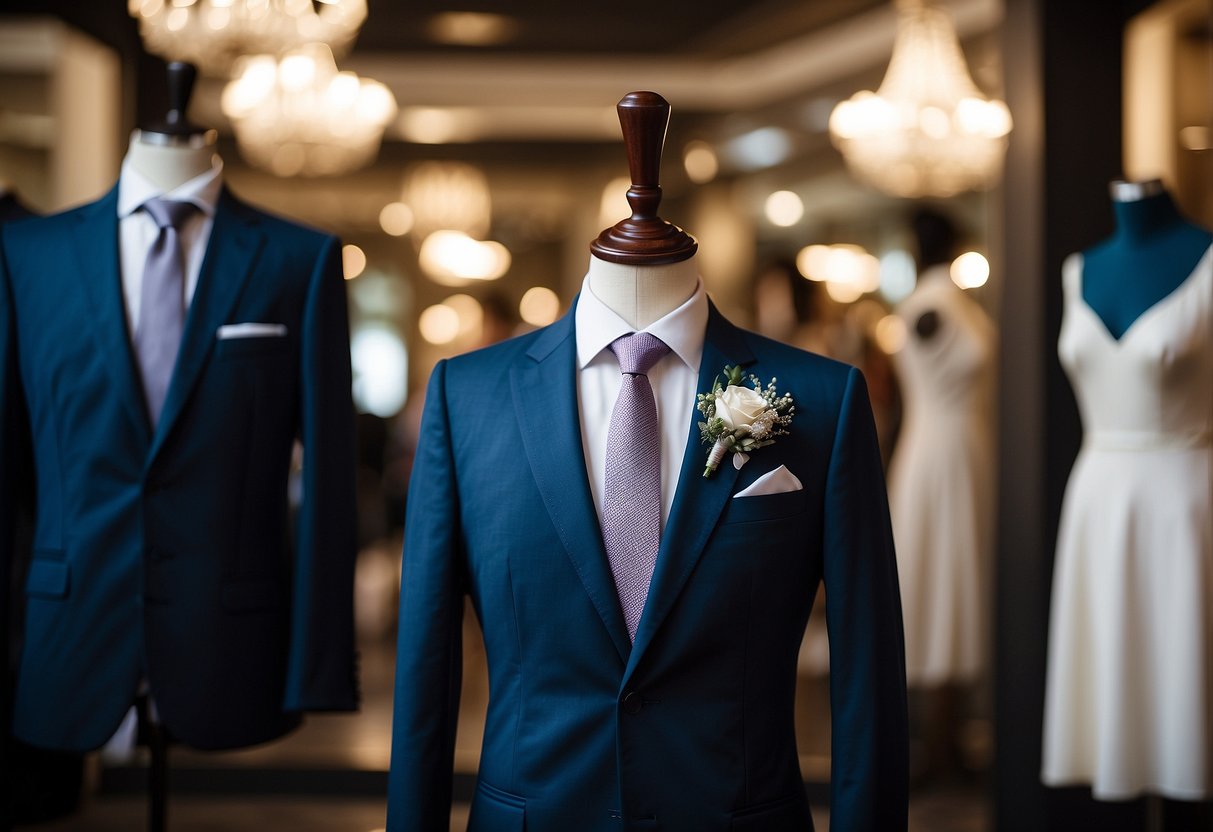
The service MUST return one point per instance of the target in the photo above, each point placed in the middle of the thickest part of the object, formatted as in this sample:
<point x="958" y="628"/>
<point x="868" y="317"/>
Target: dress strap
<point x="1071" y="275"/>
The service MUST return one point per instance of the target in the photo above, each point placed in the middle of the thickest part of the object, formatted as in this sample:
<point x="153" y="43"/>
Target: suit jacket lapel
<point x="545" y="398"/>
<point x="231" y="254"/>
<point x="96" y="249"/>
<point x="698" y="502"/>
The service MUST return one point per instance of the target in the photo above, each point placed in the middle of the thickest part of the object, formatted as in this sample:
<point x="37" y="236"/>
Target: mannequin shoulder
<point x="35" y="243"/>
<point x="792" y="366"/>
<point x="486" y="365"/>
<point x="286" y="231"/>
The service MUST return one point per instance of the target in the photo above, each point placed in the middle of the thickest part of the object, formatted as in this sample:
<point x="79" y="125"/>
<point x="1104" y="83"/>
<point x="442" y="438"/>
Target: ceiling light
<point x="435" y="125"/>
<point x="848" y="271"/>
<point x="928" y="130"/>
<point x="762" y="148"/>
<point x="784" y="208"/>
<point x="970" y="270"/>
<point x="299" y="116"/>
<point x="212" y="34"/>
<point x="471" y="28"/>
<point x="452" y="258"/>
<point x="396" y="219"/>
<point x="470" y="312"/>
<point x="540" y="306"/>
<point x="700" y="162"/>
<point x="353" y="261"/>
<point x="811" y="261"/>
<point x="439" y="324"/>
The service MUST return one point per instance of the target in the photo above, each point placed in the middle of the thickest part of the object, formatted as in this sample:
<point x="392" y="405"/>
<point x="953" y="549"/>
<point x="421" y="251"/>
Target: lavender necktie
<point x="631" y="509"/>
<point x="161" y="303"/>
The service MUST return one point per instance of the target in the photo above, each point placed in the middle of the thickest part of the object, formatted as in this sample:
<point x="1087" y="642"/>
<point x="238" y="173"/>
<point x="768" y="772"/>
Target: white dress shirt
<point x="673" y="380"/>
<point x="137" y="230"/>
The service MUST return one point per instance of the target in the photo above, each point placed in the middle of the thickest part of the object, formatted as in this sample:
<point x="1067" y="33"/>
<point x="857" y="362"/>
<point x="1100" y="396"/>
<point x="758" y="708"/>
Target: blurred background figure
<point x="941" y="490"/>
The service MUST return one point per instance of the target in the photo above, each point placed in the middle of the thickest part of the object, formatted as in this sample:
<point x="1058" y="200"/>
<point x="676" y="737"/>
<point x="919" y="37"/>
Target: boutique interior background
<point x="501" y="134"/>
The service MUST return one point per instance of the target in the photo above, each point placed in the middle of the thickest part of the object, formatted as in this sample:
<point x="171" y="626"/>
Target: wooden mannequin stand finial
<point x="644" y="239"/>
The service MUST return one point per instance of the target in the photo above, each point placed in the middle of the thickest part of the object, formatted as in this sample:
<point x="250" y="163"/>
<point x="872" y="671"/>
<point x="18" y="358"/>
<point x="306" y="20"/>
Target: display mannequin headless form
<point x="1152" y="253"/>
<point x="593" y="725"/>
<point x="1154" y="250"/>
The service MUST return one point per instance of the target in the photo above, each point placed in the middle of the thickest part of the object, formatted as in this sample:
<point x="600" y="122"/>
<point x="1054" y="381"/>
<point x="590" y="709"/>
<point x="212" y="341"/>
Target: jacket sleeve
<point x="16" y="494"/>
<point x="863" y="614"/>
<point x="428" y="647"/>
<point x="321" y="671"/>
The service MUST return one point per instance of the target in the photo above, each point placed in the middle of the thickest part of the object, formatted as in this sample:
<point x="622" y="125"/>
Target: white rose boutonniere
<point x="740" y="419"/>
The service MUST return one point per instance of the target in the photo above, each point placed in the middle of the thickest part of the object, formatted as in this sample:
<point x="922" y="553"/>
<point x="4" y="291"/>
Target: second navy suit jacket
<point x="689" y="729"/>
<point x="167" y="554"/>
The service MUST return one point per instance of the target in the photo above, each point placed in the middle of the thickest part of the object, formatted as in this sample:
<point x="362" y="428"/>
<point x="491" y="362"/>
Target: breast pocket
<point x="252" y="347"/>
<point x="765" y="507"/>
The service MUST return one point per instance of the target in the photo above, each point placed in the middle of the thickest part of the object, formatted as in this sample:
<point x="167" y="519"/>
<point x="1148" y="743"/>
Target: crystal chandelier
<point x="928" y="130"/>
<point x="298" y="115"/>
<point x="212" y="34"/>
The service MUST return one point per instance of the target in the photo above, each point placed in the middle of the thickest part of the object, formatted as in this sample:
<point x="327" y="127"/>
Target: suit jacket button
<point x="632" y="703"/>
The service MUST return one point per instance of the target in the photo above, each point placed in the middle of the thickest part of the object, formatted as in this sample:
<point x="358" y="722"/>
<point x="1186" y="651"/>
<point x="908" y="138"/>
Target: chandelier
<point x="928" y="130"/>
<point x="212" y="34"/>
<point x="297" y="115"/>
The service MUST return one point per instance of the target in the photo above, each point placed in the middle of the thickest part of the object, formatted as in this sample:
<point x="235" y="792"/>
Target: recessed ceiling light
<point x="471" y="28"/>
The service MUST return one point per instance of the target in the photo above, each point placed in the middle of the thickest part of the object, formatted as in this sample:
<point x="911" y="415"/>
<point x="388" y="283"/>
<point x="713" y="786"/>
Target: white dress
<point x="1129" y="696"/>
<point x="941" y="483"/>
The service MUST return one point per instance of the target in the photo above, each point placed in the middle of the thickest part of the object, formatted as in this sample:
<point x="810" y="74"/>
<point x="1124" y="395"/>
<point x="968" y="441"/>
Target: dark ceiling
<point x="707" y="27"/>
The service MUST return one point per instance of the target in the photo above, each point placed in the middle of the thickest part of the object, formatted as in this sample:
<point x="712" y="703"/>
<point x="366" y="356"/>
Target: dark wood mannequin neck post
<point x="644" y="239"/>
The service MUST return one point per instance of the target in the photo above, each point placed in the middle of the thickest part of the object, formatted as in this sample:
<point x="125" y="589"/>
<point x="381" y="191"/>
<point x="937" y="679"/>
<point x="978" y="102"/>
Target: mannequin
<point x="174" y="579"/>
<point x="941" y="484"/>
<point x="1129" y="685"/>
<point x="1152" y="252"/>
<point x="605" y="712"/>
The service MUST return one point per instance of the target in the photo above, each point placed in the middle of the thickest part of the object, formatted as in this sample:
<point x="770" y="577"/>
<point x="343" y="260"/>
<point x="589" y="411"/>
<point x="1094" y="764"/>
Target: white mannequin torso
<point x="643" y="294"/>
<point x="168" y="166"/>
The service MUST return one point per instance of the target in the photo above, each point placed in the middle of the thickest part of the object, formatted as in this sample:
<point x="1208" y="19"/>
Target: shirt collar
<point x="134" y="189"/>
<point x="682" y="330"/>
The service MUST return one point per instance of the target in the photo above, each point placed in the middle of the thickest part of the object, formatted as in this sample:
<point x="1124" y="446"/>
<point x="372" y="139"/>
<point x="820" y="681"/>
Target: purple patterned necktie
<point x="161" y="303"/>
<point x="631" y="509"/>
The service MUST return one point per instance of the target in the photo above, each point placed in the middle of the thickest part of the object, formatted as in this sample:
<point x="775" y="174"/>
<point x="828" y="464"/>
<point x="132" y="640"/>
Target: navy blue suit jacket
<point x="689" y="729"/>
<point x="166" y="554"/>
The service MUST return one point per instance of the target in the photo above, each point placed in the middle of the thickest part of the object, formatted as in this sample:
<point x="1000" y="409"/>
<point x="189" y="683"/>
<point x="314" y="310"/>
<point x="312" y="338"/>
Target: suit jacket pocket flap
<point x="47" y="579"/>
<point x="494" y="810"/>
<point x="788" y="815"/>
<point x="240" y="596"/>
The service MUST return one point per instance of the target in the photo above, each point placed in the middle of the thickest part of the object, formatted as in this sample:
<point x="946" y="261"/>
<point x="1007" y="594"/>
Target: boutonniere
<point x="741" y="419"/>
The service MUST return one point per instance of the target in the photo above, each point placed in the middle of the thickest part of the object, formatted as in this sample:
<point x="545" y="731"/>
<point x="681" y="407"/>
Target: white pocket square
<point x="779" y="481"/>
<point x="250" y="330"/>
